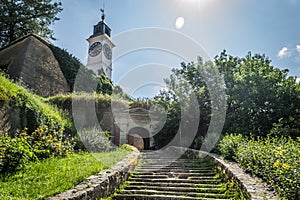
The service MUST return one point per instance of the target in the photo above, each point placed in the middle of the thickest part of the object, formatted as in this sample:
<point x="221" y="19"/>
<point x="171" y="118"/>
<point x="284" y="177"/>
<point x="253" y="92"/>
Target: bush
<point x="286" y="127"/>
<point x="47" y="142"/>
<point x="14" y="153"/>
<point x="229" y="144"/>
<point x="94" y="140"/>
<point x="43" y="143"/>
<point x="276" y="160"/>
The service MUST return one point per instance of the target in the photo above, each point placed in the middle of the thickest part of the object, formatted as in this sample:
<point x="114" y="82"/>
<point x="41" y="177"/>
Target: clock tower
<point x="100" y="49"/>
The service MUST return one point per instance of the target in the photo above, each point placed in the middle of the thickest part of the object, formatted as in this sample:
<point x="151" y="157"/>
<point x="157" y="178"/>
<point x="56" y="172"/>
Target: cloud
<point x="298" y="48"/>
<point x="283" y="52"/>
<point x="298" y="80"/>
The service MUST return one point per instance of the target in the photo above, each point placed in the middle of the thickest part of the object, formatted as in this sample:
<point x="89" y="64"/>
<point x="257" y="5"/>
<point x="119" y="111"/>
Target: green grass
<point x="13" y="94"/>
<point x="55" y="175"/>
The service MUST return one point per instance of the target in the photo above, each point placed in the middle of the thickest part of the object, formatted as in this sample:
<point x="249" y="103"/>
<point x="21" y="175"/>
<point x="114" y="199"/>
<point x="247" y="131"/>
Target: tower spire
<point x="103" y="12"/>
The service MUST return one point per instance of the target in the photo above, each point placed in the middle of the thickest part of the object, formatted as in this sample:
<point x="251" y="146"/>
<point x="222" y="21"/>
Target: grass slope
<point x="55" y="175"/>
<point x="14" y="95"/>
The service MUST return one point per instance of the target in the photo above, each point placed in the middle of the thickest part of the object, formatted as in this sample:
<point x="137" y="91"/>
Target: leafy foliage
<point x="45" y="128"/>
<point x="33" y="111"/>
<point x="168" y="132"/>
<point x="259" y="95"/>
<point x="16" y="152"/>
<point x="32" y="108"/>
<point x="118" y="92"/>
<point x="229" y="144"/>
<point x="68" y="63"/>
<point x="18" y="18"/>
<point x="47" y="142"/>
<point x="275" y="159"/>
<point x="260" y="98"/>
<point x="95" y="140"/>
<point x="190" y="80"/>
<point x="145" y="103"/>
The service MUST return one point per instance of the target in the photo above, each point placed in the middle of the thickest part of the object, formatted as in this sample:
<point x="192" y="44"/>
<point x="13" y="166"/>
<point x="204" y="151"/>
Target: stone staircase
<point x="165" y="176"/>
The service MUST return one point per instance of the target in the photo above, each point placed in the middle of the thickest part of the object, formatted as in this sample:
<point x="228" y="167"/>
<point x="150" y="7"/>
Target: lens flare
<point x="179" y="23"/>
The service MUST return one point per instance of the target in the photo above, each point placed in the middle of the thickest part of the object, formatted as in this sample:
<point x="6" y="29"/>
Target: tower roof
<point x="101" y="28"/>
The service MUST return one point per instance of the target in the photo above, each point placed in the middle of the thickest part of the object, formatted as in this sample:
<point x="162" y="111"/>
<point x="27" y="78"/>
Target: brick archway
<point x="139" y="137"/>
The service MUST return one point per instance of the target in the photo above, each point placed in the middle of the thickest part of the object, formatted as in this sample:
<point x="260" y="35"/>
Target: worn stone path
<point x="163" y="176"/>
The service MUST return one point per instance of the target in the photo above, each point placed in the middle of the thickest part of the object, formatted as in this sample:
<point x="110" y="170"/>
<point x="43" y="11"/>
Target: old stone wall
<point x="11" y="120"/>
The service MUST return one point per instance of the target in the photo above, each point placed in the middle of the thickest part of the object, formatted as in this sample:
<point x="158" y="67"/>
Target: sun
<point x="179" y="23"/>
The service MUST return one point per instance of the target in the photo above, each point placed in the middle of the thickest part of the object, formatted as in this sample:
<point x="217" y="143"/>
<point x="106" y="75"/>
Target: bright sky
<point x="271" y="27"/>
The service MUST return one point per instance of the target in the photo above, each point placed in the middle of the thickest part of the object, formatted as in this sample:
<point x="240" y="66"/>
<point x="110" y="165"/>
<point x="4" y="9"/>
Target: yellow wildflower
<point x="286" y="166"/>
<point x="2" y="148"/>
<point x="277" y="163"/>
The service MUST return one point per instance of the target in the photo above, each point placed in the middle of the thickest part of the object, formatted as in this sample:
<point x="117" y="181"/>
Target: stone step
<point x="172" y="180"/>
<point x="159" y="157"/>
<point x="177" y="189"/>
<point x="173" y="175"/>
<point x="157" y="166"/>
<point x="176" y="193"/>
<point x="178" y="174"/>
<point x="166" y="177"/>
<point x="162" y="167"/>
<point x="160" y="197"/>
<point x="174" y="170"/>
<point x="150" y="176"/>
<point x="200" y="177"/>
<point x="175" y="160"/>
<point x="171" y="184"/>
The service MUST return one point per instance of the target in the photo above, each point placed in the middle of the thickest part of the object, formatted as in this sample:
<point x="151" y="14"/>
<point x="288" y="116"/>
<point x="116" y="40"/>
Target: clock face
<point x="95" y="49"/>
<point x="107" y="51"/>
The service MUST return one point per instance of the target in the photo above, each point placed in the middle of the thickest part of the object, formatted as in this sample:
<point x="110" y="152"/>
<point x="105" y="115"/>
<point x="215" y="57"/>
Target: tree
<point x="186" y="96"/>
<point x="20" y="17"/>
<point x="260" y="96"/>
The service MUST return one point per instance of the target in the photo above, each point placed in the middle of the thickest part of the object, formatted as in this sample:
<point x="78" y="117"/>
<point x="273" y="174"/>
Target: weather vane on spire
<point x="102" y="11"/>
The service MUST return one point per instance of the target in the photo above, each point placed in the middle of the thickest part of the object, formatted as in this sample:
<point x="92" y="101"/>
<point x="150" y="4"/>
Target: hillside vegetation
<point x="40" y="150"/>
<point x="32" y="107"/>
<point x="35" y="131"/>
